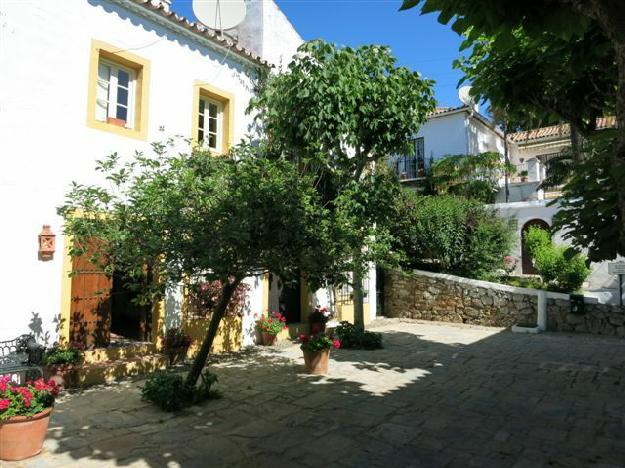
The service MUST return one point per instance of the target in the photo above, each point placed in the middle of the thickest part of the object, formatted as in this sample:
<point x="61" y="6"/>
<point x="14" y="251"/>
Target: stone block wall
<point x="447" y="298"/>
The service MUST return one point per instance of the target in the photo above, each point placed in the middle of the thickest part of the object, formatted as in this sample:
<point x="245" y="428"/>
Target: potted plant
<point x="175" y="344"/>
<point x="523" y="175"/>
<point x="24" y="416"/>
<point x="61" y="365"/>
<point x="316" y="350"/>
<point x="318" y="319"/>
<point x="269" y="326"/>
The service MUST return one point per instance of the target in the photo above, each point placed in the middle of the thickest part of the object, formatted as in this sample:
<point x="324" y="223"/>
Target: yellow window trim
<point x="141" y="67"/>
<point x="226" y="99"/>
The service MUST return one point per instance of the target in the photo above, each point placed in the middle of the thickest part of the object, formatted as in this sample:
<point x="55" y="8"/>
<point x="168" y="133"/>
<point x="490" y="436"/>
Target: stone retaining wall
<point x="434" y="296"/>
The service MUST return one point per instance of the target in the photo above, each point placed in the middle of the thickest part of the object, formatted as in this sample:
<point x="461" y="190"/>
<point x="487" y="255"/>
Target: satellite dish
<point x="219" y="14"/>
<point x="464" y="93"/>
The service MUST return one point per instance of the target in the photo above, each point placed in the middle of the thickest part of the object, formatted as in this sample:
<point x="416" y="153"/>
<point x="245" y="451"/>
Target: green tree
<point x="471" y="176"/>
<point x="450" y="234"/>
<point x="548" y="60"/>
<point x="338" y="112"/>
<point x="196" y="216"/>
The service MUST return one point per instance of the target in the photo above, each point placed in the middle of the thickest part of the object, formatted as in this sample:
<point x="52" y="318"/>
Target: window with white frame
<point x="210" y="125"/>
<point x="115" y="95"/>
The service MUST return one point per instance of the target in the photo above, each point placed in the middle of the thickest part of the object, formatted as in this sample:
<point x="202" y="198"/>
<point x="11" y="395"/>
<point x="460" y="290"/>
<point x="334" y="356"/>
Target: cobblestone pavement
<point x="437" y="395"/>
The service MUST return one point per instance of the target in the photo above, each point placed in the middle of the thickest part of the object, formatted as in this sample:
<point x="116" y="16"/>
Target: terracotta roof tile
<point x="446" y="110"/>
<point x="163" y="10"/>
<point x="556" y="131"/>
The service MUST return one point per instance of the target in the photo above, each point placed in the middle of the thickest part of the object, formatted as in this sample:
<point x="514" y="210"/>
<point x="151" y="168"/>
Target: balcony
<point x="409" y="168"/>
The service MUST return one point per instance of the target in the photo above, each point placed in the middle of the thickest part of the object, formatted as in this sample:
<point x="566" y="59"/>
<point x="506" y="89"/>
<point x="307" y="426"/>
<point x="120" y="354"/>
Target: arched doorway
<point x="526" y="257"/>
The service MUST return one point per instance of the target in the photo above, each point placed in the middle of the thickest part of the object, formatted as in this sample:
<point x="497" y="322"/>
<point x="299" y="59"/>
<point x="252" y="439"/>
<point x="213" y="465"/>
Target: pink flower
<point x="304" y="338"/>
<point x="4" y="381"/>
<point x="336" y="344"/>
<point x="4" y="404"/>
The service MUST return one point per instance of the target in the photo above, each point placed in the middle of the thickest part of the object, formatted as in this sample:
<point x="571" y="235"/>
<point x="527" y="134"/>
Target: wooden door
<point x="90" y="316"/>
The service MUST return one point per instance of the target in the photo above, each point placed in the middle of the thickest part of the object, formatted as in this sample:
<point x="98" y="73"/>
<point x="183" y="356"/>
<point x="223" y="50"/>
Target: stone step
<point x="115" y="353"/>
<point x="110" y="371"/>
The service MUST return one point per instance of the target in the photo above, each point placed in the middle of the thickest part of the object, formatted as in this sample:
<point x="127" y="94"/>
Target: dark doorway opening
<point x="127" y="317"/>
<point x="285" y="297"/>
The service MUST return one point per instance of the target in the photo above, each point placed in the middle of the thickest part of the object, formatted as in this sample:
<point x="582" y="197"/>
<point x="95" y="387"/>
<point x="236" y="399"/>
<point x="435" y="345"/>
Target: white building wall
<point x="482" y="138"/>
<point x="444" y="135"/>
<point x="269" y="33"/>
<point x="45" y="142"/>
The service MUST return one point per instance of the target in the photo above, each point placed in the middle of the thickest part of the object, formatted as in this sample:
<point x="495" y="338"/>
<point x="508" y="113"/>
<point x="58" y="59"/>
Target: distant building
<point x="463" y="130"/>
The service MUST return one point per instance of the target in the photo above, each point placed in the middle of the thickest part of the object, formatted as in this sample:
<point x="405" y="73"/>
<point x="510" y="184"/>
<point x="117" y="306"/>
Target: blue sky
<point x="419" y="42"/>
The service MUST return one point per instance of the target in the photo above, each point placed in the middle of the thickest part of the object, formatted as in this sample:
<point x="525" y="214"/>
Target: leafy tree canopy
<point x="337" y="111"/>
<point x="193" y="215"/>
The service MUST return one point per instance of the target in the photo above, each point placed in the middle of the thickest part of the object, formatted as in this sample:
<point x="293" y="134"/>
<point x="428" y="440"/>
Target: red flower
<point x="336" y="344"/>
<point x="282" y="319"/>
<point x="27" y="396"/>
<point x="304" y="338"/>
<point x="4" y="404"/>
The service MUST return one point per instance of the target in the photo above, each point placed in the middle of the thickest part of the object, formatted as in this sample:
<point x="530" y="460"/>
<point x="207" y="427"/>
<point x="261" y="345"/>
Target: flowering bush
<point x="25" y="400"/>
<point x="204" y="296"/>
<point x="272" y="325"/>
<point x="318" y="342"/>
<point x="175" y="338"/>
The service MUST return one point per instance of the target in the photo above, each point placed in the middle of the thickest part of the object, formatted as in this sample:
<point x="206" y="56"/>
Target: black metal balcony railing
<point x="409" y="167"/>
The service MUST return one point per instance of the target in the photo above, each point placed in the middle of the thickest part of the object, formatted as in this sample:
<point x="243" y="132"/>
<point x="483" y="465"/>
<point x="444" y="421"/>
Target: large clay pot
<point x="22" y="437"/>
<point x="268" y="339"/>
<point x="65" y="375"/>
<point x="317" y="361"/>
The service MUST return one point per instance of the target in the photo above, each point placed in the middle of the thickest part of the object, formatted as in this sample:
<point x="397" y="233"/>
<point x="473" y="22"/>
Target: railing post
<point x="542" y="310"/>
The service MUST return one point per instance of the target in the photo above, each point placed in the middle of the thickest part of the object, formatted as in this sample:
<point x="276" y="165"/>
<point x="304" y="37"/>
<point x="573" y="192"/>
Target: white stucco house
<point x="448" y="131"/>
<point x="118" y="75"/>
<point x="463" y="130"/>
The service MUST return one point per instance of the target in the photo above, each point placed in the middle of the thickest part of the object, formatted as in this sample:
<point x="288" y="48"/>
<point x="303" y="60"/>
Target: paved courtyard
<point x="437" y="395"/>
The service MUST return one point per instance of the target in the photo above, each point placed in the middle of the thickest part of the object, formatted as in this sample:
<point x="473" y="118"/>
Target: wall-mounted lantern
<point x="47" y="243"/>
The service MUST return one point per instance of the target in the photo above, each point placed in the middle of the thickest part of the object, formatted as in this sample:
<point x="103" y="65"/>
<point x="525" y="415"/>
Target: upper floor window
<point x="213" y="118"/>
<point x="118" y="91"/>
<point x="210" y="123"/>
<point x="115" y="94"/>
<point x="412" y="167"/>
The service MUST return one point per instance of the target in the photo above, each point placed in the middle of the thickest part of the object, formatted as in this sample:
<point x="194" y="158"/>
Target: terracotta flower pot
<point x="65" y="375"/>
<point x="22" y="437"/>
<point x="115" y="121"/>
<point x="268" y="339"/>
<point x="316" y="361"/>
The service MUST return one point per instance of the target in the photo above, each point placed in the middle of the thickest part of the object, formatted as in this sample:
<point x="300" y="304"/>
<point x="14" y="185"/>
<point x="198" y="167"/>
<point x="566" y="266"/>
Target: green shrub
<point x="560" y="267"/>
<point x="58" y="355"/>
<point x="354" y="338"/>
<point x="168" y="391"/>
<point x="450" y="234"/>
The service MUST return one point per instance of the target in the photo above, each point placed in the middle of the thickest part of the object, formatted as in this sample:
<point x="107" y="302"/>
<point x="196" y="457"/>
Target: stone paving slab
<point x="439" y="394"/>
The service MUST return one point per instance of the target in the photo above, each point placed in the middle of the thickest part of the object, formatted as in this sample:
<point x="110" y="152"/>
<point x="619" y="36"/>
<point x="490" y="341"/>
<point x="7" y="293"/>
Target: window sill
<point x="118" y="130"/>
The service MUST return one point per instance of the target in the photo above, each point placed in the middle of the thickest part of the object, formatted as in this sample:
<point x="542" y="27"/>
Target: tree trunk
<point x="200" y="359"/>
<point x="618" y="159"/>
<point x="576" y="143"/>
<point x="506" y="158"/>
<point x="359" y="306"/>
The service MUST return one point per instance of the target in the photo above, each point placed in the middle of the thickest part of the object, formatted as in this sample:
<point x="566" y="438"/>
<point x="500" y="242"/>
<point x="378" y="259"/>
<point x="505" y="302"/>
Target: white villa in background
<point x="114" y="76"/>
<point x="463" y="130"/>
